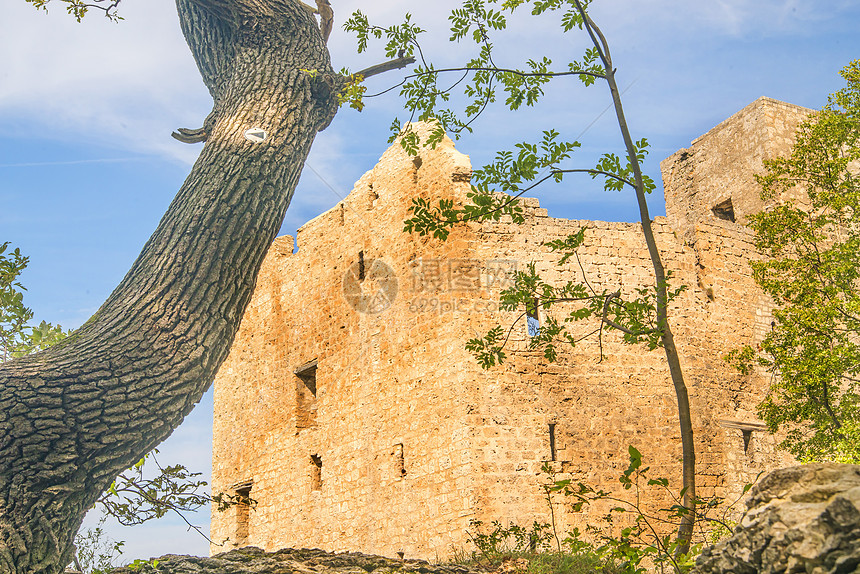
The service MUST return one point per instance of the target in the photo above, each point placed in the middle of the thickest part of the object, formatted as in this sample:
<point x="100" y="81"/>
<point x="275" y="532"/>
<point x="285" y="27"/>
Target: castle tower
<point x="351" y="414"/>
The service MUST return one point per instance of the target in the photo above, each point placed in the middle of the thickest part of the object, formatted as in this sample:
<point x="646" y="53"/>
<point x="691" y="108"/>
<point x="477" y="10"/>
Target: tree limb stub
<point x="326" y="18"/>
<point x="188" y="136"/>
<point x="377" y="69"/>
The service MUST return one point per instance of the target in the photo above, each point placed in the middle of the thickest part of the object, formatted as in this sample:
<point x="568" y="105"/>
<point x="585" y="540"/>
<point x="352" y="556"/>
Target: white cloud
<point x="128" y="84"/>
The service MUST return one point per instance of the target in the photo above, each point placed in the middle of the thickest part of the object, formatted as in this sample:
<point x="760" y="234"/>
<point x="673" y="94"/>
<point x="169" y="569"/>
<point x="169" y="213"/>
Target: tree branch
<point x="382" y="68"/>
<point x="553" y="173"/>
<point x="326" y="18"/>
<point x="508" y="71"/>
<point x="612" y="323"/>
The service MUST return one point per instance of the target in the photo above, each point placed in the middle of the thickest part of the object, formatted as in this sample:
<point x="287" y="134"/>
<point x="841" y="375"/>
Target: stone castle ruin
<point x="352" y="415"/>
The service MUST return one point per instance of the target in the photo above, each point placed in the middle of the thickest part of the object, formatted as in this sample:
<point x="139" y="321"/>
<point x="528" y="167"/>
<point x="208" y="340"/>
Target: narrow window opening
<point x="361" y="265"/>
<point x="553" y="454"/>
<point x="242" y="501"/>
<point x="316" y="472"/>
<point x="724" y="210"/>
<point x="399" y="460"/>
<point x="306" y="395"/>
<point x="747" y="437"/>
<point x="532" y="318"/>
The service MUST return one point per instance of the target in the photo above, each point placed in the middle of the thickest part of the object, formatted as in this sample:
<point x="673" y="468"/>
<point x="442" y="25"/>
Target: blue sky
<point x="87" y="165"/>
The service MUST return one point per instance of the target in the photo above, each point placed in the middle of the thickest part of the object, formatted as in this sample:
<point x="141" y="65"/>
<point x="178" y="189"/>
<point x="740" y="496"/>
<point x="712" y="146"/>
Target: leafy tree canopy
<point x="811" y="243"/>
<point x="17" y="338"/>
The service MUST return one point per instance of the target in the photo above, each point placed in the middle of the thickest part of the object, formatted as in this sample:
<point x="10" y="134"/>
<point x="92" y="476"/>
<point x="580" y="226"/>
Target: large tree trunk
<point x="73" y="417"/>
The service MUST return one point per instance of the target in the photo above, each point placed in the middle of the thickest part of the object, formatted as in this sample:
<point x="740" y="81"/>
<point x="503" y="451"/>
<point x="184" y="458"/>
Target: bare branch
<point x="310" y="9"/>
<point x="383" y="67"/>
<point x="326" y="18"/>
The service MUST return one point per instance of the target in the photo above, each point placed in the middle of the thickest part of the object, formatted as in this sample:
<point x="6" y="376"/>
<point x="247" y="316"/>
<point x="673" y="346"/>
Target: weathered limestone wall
<point x="599" y="407"/>
<point x="389" y="430"/>
<point x="406" y="439"/>
<point x="720" y="165"/>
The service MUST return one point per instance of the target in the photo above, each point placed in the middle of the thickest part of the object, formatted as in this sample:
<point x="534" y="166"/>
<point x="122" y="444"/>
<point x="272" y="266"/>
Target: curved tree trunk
<point x="73" y="417"/>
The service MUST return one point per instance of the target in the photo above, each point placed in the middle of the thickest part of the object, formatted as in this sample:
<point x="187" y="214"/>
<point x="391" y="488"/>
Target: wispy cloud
<point x="72" y="162"/>
<point x="127" y="84"/>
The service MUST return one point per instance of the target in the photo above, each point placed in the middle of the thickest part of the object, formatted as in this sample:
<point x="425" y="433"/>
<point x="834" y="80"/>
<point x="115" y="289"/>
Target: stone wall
<point x="714" y="177"/>
<point x="350" y="408"/>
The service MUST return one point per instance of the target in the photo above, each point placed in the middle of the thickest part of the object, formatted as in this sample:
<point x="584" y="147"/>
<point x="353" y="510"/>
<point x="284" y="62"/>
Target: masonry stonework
<point x="351" y="414"/>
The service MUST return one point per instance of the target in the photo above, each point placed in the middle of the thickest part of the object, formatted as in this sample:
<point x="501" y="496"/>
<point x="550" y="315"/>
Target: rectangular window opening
<point x="316" y="472"/>
<point x="553" y="454"/>
<point x="241" y="529"/>
<point x="361" y="265"/>
<point x="533" y="318"/>
<point x="306" y="395"/>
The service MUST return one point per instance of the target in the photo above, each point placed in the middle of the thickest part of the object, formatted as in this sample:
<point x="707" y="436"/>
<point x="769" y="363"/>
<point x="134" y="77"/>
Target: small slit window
<point x="399" y="461"/>
<point x="553" y="452"/>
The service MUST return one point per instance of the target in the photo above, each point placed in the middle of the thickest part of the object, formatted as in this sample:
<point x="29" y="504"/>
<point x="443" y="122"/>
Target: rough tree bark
<point x="73" y="417"/>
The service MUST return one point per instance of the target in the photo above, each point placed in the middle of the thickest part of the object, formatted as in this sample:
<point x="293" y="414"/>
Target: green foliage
<point x="79" y="8"/>
<point x="628" y="539"/>
<point x="439" y="219"/>
<point x="616" y="175"/>
<point x="812" y="271"/>
<point x="96" y="552"/>
<point x="636" y="318"/>
<point x="13" y="314"/>
<point x="17" y="338"/>
<point x="133" y="498"/>
<point x="136" y="497"/>
<point x="496" y="186"/>
<point x="353" y="92"/>
<point x="631" y="535"/>
<point x="530" y="549"/>
<point x="400" y="40"/>
<point x="501" y="540"/>
<point x="423" y="96"/>
<point x="144" y="565"/>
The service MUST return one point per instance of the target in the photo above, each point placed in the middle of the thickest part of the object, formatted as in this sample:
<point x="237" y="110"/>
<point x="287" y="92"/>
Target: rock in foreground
<point x="252" y="560"/>
<point x="799" y="519"/>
